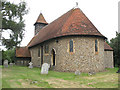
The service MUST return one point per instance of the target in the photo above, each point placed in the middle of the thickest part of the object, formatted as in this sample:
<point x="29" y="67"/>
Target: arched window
<point x="71" y="46"/>
<point x="39" y="52"/>
<point x="96" y="45"/>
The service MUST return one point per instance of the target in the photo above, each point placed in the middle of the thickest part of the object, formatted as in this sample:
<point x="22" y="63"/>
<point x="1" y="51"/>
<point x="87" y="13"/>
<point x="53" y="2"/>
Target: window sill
<point x="46" y="54"/>
<point x="71" y="53"/>
<point x="96" y="53"/>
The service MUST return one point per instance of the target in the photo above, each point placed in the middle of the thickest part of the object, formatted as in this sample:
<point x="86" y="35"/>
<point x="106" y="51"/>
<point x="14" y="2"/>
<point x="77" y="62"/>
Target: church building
<point x="69" y="43"/>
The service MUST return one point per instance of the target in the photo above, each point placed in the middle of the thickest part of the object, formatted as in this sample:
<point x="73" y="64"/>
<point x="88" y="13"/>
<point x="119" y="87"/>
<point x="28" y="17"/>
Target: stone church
<point x="69" y="43"/>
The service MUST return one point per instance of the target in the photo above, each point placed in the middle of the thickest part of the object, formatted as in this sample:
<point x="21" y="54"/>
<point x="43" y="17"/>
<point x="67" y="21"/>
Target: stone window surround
<point x="96" y="52"/>
<point x="68" y="50"/>
<point x="71" y="45"/>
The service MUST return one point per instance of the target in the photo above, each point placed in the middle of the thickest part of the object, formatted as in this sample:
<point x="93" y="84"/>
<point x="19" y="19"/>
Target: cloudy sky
<point x="102" y="13"/>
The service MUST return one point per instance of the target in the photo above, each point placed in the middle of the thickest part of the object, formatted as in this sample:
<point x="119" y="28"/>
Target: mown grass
<point x="0" y="77"/>
<point x="23" y="77"/>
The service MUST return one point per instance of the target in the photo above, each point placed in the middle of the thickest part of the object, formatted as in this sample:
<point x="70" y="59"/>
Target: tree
<point x="115" y="44"/>
<point x="12" y="15"/>
<point x="107" y="41"/>
<point x="8" y="55"/>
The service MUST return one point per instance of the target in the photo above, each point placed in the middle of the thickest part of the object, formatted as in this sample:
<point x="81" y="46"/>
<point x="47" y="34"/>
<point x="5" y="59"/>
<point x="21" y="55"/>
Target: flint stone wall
<point x="34" y="56"/>
<point x="83" y="59"/>
<point x="108" y="57"/>
<point x="22" y="61"/>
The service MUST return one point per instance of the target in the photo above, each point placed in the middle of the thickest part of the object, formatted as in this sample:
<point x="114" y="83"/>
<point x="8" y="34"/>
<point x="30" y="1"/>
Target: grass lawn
<point x="23" y="77"/>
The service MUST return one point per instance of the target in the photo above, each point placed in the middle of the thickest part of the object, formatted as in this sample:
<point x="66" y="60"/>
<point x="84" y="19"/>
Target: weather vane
<point x="76" y="5"/>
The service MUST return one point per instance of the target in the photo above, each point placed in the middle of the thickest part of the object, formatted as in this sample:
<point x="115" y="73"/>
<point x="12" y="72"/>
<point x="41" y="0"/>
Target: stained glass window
<point x="96" y="46"/>
<point x="71" y="45"/>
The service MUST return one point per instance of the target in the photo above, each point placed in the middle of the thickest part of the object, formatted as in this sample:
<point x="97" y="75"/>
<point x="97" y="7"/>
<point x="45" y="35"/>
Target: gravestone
<point x="77" y="72"/>
<point x="11" y="64"/>
<point x="31" y="65"/>
<point x="45" y="68"/>
<point x="92" y="73"/>
<point x="5" y="63"/>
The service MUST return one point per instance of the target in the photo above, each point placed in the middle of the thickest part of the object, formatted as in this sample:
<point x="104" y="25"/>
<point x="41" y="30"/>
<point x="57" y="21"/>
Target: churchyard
<point x="24" y="77"/>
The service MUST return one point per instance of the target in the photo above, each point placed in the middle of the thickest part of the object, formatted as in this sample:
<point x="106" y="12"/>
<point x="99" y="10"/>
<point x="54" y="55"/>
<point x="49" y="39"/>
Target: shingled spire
<point x="40" y="23"/>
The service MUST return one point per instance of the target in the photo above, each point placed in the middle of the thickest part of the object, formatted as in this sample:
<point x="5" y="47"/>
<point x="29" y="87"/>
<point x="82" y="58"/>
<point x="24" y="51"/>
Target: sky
<point x="102" y="13"/>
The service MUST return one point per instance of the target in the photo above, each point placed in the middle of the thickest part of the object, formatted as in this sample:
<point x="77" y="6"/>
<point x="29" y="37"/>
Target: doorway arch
<point x="53" y="57"/>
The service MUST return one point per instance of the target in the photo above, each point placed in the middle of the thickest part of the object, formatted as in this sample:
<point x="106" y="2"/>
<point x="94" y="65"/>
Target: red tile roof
<point x="22" y="52"/>
<point x="74" y="22"/>
<point x="41" y="19"/>
<point x="107" y="47"/>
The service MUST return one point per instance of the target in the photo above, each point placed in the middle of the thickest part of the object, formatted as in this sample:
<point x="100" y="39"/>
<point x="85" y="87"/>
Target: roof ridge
<point x="107" y="46"/>
<point x="73" y="22"/>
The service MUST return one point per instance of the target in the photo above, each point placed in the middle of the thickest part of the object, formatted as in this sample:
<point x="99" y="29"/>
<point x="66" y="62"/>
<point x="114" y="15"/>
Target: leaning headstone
<point x="30" y="65"/>
<point x="77" y="72"/>
<point x="45" y="68"/>
<point x="5" y="63"/>
<point x="11" y="64"/>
